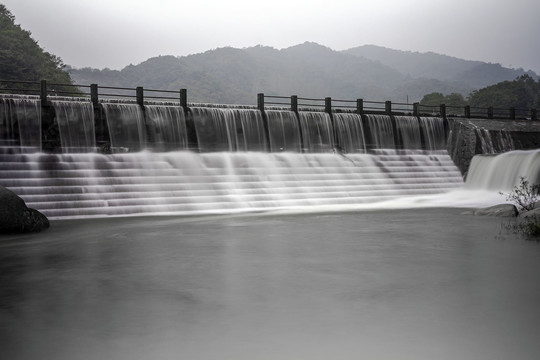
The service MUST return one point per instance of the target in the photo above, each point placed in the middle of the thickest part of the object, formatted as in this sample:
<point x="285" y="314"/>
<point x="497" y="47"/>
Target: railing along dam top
<point x="140" y="95"/>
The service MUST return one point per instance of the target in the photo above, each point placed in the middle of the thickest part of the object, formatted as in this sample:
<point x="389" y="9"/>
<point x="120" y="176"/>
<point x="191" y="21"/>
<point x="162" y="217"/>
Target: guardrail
<point x="95" y="93"/>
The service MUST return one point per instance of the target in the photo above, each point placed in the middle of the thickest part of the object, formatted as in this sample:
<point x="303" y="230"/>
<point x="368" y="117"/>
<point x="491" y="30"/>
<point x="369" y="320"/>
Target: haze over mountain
<point x="234" y="76"/>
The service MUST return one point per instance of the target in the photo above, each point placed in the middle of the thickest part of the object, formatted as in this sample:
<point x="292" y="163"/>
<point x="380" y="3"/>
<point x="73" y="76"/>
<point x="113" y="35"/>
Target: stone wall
<point x="469" y="137"/>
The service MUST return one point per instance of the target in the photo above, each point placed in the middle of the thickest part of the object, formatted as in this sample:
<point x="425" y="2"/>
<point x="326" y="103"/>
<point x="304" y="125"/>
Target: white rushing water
<point x="76" y="125"/>
<point x="81" y="185"/>
<point x="503" y="171"/>
<point x="248" y="161"/>
<point x="90" y="185"/>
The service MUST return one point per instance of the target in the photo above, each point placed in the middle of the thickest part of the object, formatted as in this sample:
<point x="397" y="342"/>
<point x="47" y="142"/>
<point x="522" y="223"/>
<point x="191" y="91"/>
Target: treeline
<point x="234" y="76"/>
<point x="521" y="93"/>
<point x="22" y="59"/>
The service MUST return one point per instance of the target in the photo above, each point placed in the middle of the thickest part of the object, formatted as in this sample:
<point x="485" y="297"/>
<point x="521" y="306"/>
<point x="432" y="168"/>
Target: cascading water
<point x="20" y="122"/>
<point x="169" y="127"/>
<point x="494" y="142"/>
<point x="434" y="132"/>
<point x="350" y="132"/>
<point x="250" y="130"/>
<point x="317" y="131"/>
<point x="409" y="131"/>
<point x="503" y="172"/>
<point x="228" y="129"/>
<point x="233" y="171"/>
<point x="215" y="131"/>
<point x="127" y="130"/>
<point x="381" y="131"/>
<point x="283" y="131"/>
<point x="82" y="185"/>
<point x="76" y="125"/>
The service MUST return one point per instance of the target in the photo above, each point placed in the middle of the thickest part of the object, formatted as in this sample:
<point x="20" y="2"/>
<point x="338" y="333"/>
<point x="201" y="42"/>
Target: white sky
<point x="116" y="33"/>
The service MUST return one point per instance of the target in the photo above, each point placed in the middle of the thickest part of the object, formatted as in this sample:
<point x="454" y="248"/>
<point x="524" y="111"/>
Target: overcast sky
<point x="116" y="33"/>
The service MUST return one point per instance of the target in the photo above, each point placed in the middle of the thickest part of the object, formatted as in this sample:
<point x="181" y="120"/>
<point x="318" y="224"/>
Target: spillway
<point x="160" y="159"/>
<point x="82" y="185"/>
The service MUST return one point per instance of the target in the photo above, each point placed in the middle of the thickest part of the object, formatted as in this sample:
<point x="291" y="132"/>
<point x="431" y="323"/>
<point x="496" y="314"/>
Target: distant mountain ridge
<point x="442" y="67"/>
<point x="234" y="76"/>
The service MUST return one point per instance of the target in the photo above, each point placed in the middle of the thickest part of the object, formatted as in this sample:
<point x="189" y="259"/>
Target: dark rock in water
<point x="16" y="217"/>
<point x="502" y="210"/>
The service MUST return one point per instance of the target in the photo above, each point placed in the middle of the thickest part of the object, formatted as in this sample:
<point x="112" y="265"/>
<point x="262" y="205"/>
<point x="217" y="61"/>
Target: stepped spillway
<point x="91" y="184"/>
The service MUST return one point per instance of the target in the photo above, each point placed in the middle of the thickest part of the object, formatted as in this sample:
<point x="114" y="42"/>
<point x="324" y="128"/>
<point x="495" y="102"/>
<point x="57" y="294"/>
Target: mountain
<point x="417" y="65"/>
<point x="234" y="76"/>
<point x="464" y="73"/>
<point x="22" y="59"/>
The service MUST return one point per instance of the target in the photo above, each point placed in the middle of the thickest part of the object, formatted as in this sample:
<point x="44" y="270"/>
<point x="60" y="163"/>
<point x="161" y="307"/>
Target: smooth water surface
<point x="407" y="284"/>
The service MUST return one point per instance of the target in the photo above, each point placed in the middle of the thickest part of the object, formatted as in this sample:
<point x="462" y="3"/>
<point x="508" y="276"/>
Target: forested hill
<point x="235" y="76"/>
<point x="475" y="74"/>
<point x="22" y="59"/>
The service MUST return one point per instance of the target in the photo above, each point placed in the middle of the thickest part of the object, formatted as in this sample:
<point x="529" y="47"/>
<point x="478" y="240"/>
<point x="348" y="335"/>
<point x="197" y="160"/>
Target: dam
<point x="88" y="157"/>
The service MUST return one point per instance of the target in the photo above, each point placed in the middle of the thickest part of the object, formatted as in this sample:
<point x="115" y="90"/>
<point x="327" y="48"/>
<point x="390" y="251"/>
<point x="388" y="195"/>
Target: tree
<point x="22" y="59"/>
<point x="436" y="99"/>
<point x="522" y="93"/>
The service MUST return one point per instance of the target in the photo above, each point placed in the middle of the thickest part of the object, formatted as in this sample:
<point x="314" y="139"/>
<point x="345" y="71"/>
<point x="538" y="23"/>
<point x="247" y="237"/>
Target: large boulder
<point x="534" y="213"/>
<point x="502" y="210"/>
<point x="16" y="217"/>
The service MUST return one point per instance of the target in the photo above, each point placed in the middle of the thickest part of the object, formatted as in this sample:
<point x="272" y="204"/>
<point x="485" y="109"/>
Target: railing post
<point x="512" y="113"/>
<point x="94" y="98"/>
<point x="360" y="106"/>
<point x="328" y="105"/>
<point x="442" y="109"/>
<point x="490" y="112"/>
<point x="416" y="109"/>
<point x="43" y="92"/>
<point x="260" y="101"/>
<point x="388" y="107"/>
<point x="183" y="98"/>
<point x="294" y="103"/>
<point x="467" y="111"/>
<point x="533" y="114"/>
<point x="139" y="91"/>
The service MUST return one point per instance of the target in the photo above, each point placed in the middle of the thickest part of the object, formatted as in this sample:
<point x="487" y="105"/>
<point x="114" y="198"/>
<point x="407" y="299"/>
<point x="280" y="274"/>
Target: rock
<point x="531" y="213"/>
<point x="502" y="210"/>
<point x="16" y="217"/>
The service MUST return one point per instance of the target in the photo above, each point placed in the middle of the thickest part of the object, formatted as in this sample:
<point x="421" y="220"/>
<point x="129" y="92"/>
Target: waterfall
<point x="283" y="131"/>
<point x="382" y="131"/>
<point x="246" y="161"/>
<point x="169" y="127"/>
<point x="20" y="122"/>
<point x="228" y="129"/>
<point x="316" y="131"/>
<point x="494" y="141"/>
<point x="434" y="132"/>
<point x="126" y="126"/>
<point x="76" y="125"/>
<point x="409" y="130"/>
<point x="91" y="184"/>
<point x="503" y="171"/>
<point x="250" y="128"/>
<point x="350" y="132"/>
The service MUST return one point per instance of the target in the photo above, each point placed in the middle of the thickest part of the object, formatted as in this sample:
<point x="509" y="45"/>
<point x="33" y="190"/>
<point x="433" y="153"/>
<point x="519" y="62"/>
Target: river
<point x="388" y="284"/>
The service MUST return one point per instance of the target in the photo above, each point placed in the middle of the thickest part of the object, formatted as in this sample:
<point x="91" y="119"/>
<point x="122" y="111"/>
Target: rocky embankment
<point x="469" y="137"/>
<point x="506" y="210"/>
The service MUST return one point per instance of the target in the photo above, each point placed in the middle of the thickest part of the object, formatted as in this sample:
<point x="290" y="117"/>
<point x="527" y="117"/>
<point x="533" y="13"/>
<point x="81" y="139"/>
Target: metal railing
<point x="294" y="103"/>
